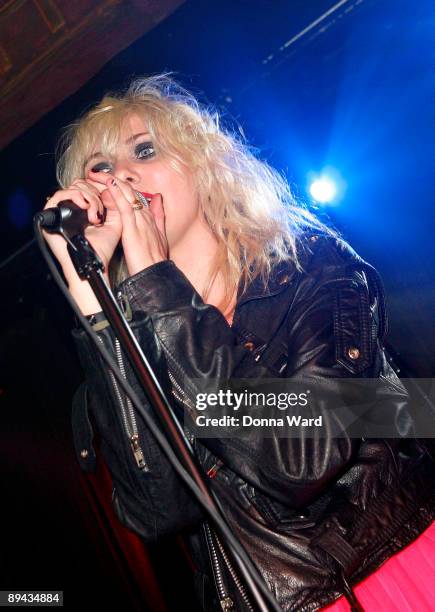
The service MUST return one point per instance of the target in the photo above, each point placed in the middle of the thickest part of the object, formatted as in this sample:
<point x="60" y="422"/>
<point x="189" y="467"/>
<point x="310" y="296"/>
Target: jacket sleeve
<point x="198" y="343"/>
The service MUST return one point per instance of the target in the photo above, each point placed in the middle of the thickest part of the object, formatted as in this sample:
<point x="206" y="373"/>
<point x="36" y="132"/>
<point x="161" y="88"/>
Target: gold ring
<point x="136" y="205"/>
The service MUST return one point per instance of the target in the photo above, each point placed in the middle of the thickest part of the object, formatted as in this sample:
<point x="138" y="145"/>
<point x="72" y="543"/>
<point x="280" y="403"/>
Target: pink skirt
<point x="404" y="583"/>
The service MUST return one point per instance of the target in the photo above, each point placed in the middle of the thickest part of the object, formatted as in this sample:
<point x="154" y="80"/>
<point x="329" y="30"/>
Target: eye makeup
<point x="144" y="150"/>
<point x="101" y="167"/>
<point x="140" y="151"/>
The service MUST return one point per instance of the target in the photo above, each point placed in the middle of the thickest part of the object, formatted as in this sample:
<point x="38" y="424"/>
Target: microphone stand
<point x="89" y="266"/>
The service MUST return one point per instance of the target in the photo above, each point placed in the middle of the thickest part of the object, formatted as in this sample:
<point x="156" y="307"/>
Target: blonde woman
<point x="224" y="276"/>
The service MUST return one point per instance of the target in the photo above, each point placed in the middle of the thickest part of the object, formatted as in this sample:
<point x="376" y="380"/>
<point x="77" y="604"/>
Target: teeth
<point x="144" y="200"/>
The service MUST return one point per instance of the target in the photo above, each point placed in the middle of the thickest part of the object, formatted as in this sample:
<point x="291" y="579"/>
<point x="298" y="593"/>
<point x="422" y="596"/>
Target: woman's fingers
<point x="118" y="193"/>
<point x="102" y="236"/>
<point x="84" y="196"/>
<point x="143" y="230"/>
<point x="158" y="212"/>
<point x="79" y="199"/>
<point x="92" y="194"/>
<point x="125" y="196"/>
<point x="99" y="178"/>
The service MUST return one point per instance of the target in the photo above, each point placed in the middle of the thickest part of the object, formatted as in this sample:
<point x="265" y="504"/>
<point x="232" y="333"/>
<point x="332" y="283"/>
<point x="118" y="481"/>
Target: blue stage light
<point x="323" y="190"/>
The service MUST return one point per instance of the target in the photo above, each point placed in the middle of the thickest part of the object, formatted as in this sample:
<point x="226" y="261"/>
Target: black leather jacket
<point x="316" y="515"/>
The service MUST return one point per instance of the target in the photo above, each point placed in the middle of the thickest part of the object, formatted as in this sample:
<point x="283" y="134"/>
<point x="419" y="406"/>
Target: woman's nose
<point x="125" y="171"/>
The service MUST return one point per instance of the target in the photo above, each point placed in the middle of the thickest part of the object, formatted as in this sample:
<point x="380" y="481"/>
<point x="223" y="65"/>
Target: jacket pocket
<point x="355" y="324"/>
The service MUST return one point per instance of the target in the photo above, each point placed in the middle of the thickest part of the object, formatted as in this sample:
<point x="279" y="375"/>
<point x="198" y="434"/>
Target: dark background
<point x="354" y="93"/>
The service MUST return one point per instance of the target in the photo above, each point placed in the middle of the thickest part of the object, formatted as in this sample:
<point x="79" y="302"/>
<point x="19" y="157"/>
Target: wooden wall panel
<point x="50" y="48"/>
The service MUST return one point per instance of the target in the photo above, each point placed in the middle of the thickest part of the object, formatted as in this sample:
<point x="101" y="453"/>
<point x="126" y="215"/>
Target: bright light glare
<point x="323" y="190"/>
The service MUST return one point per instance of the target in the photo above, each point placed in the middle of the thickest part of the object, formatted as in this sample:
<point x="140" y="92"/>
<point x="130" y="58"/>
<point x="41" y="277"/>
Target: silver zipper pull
<point x="227" y="604"/>
<point x="137" y="451"/>
<point x="124" y="305"/>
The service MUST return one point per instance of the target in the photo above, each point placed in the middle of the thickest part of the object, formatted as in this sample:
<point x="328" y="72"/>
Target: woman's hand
<point x="88" y="195"/>
<point x="143" y="231"/>
<point x="93" y="197"/>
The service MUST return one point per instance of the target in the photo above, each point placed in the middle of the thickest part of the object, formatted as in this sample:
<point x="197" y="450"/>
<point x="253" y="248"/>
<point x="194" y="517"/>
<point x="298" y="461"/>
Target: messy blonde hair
<point x="247" y="204"/>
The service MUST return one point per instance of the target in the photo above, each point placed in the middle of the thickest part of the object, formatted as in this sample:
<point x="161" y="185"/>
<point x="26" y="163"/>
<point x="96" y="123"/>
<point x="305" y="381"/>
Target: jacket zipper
<point x="234" y="575"/>
<point x="128" y="416"/>
<point x="130" y="424"/>
<point x="182" y="396"/>
<point x="224" y="599"/>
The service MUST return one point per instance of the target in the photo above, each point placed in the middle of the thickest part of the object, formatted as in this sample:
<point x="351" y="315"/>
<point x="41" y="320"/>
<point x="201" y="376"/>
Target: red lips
<point x="147" y="195"/>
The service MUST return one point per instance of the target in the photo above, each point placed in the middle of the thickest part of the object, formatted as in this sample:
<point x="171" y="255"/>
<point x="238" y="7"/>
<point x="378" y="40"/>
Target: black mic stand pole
<point x="89" y="266"/>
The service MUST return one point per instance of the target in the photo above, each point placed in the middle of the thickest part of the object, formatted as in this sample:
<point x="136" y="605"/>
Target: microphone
<point x="69" y="219"/>
<point x="66" y="217"/>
